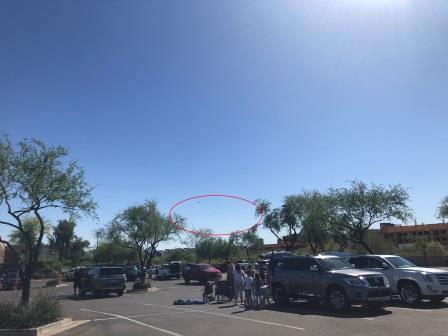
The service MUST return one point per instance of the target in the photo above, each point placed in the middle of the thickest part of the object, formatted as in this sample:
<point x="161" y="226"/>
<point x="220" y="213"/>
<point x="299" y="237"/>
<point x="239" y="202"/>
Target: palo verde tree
<point x="317" y="211"/>
<point x="198" y="240"/>
<point x="142" y="228"/>
<point x="443" y="208"/>
<point x="360" y="206"/>
<point x="250" y="242"/>
<point x="34" y="178"/>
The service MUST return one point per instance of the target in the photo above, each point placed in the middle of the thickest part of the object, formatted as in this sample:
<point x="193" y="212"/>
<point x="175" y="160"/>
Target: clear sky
<point x="168" y="99"/>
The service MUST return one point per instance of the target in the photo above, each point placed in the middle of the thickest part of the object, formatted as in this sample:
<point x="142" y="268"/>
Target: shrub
<point x="52" y="282"/>
<point x="41" y="310"/>
<point x="141" y="285"/>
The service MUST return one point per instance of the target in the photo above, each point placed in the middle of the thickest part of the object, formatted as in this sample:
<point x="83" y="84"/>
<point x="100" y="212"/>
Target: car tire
<point x="96" y="293"/>
<point x="120" y="292"/>
<point x="337" y="299"/>
<point x="187" y="281"/>
<point x="202" y="280"/>
<point x="409" y="293"/>
<point x="437" y="299"/>
<point x="279" y="296"/>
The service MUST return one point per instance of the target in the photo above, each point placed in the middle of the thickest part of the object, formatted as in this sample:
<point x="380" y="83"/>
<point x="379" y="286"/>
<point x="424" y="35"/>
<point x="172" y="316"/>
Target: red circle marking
<point x="195" y="232"/>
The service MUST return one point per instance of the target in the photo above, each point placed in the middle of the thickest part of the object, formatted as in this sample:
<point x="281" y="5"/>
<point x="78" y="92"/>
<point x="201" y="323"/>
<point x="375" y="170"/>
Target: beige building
<point x="406" y="234"/>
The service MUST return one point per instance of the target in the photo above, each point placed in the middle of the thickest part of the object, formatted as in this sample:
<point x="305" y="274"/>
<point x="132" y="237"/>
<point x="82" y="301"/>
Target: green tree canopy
<point x="142" y="228"/>
<point x="34" y="177"/>
<point x="360" y="206"/>
<point x="443" y="209"/>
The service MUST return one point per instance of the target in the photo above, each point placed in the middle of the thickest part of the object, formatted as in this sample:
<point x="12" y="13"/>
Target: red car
<point x="201" y="273"/>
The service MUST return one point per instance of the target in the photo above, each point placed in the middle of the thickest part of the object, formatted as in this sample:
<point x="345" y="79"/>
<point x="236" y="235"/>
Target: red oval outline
<point x="195" y="232"/>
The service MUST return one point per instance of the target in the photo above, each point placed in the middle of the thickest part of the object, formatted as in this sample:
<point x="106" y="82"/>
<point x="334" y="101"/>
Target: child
<point x="257" y="287"/>
<point x="248" y="283"/>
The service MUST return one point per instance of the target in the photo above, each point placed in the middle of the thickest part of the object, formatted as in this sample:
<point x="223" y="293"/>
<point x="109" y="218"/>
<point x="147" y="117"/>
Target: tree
<point x="359" y="207"/>
<point x="34" y="178"/>
<point x="288" y="218"/>
<point x="142" y="228"/>
<point x="196" y="241"/>
<point x="31" y="226"/>
<point x="317" y="211"/>
<point x="250" y="242"/>
<point x="113" y="252"/>
<point x="443" y="208"/>
<point x="63" y="235"/>
<point x="77" y="249"/>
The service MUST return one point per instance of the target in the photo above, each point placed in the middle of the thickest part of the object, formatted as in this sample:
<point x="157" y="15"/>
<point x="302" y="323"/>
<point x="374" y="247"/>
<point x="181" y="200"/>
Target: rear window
<point x="111" y="271"/>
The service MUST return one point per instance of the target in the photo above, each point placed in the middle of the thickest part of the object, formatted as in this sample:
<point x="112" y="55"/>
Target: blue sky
<point x="169" y="99"/>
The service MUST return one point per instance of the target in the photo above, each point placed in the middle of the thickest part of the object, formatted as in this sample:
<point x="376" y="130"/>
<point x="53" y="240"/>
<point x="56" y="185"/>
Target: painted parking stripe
<point x="135" y="321"/>
<point x="228" y="316"/>
<point x="412" y="309"/>
<point x="142" y="315"/>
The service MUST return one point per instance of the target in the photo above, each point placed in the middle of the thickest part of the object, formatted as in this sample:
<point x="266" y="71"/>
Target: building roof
<point x="413" y="228"/>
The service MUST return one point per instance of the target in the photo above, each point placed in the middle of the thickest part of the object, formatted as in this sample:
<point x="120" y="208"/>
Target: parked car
<point x="11" y="280"/>
<point x="327" y="279"/>
<point x="200" y="272"/>
<point x="68" y="274"/>
<point x="105" y="280"/>
<point x="152" y="271"/>
<point x="132" y="272"/>
<point x="168" y="271"/>
<point x="412" y="283"/>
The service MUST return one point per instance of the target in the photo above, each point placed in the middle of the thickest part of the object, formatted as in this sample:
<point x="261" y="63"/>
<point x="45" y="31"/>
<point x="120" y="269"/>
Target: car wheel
<point x="96" y="293"/>
<point x="187" y="281"/>
<point x="120" y="292"/>
<point x="437" y="299"/>
<point x="409" y="293"/>
<point x="202" y="280"/>
<point x="279" y="296"/>
<point x="338" y="299"/>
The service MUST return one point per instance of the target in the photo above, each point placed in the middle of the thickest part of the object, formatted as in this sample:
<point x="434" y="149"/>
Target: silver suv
<point x="412" y="283"/>
<point x="328" y="279"/>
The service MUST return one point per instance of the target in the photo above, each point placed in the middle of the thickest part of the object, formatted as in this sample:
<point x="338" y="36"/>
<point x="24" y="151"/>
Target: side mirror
<point x="314" y="268"/>
<point x="385" y="266"/>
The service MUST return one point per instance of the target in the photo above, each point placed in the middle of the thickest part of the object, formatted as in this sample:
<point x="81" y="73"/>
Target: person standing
<point x="230" y="271"/>
<point x="257" y="289"/>
<point x="248" y="284"/>
<point x="238" y="282"/>
<point x="77" y="281"/>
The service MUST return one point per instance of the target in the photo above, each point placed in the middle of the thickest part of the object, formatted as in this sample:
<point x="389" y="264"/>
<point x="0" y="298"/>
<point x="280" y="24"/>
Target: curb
<point x="46" y="330"/>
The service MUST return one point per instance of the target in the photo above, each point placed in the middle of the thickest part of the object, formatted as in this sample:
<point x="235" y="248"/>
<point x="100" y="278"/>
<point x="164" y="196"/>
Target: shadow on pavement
<point x="305" y="308"/>
<point x="422" y="305"/>
<point x="195" y="284"/>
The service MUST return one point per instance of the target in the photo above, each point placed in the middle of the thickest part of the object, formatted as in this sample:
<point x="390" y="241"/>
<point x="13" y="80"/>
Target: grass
<point x="41" y="310"/>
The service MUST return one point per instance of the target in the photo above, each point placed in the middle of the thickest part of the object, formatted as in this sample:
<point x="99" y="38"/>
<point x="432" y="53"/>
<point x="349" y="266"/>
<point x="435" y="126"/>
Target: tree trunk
<point x="367" y="247"/>
<point x="247" y="252"/>
<point x="27" y="273"/>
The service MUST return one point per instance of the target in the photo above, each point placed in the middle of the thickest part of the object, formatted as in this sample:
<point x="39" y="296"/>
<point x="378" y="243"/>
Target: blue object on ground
<point x="188" y="302"/>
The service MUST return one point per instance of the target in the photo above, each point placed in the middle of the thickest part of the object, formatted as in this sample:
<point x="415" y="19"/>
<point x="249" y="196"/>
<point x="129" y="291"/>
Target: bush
<point x="52" y="282"/>
<point x="141" y="285"/>
<point x="41" y="310"/>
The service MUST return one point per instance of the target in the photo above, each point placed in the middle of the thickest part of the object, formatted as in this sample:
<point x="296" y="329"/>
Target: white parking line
<point x="412" y="309"/>
<point x="135" y="321"/>
<point x="229" y="316"/>
<point x="143" y="315"/>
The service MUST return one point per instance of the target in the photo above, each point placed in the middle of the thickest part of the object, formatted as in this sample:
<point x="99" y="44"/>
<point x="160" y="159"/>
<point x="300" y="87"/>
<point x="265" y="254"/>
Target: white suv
<point x="412" y="283"/>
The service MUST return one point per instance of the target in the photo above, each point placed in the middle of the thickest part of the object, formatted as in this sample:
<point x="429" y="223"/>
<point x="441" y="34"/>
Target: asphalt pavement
<point x="153" y="313"/>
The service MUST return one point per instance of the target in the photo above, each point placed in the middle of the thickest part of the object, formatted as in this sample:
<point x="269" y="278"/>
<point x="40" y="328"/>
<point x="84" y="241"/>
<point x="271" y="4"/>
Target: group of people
<point x="247" y="285"/>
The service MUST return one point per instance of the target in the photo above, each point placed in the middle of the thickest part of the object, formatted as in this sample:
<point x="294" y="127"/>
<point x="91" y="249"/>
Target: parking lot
<point x="154" y="314"/>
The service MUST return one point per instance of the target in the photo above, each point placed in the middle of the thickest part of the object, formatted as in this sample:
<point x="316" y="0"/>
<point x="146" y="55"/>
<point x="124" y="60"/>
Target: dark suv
<point x="105" y="280"/>
<point x="326" y="279"/>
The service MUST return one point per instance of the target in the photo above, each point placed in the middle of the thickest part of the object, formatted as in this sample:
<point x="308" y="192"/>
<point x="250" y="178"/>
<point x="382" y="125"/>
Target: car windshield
<point x="334" y="264"/>
<point x="111" y="271"/>
<point x="399" y="262"/>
